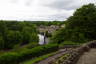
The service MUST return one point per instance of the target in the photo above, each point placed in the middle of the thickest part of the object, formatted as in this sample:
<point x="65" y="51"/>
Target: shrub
<point x="69" y="44"/>
<point x="9" y="58"/>
<point x="21" y="55"/>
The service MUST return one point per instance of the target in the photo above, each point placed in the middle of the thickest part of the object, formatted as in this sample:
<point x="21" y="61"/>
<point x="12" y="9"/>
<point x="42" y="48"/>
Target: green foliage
<point x="1" y="43"/>
<point x="13" y="33"/>
<point x="80" y="27"/>
<point x="13" y="38"/>
<point x="69" y="43"/>
<point x="47" y="23"/>
<point x="9" y="58"/>
<point x="24" y="54"/>
<point x="48" y="34"/>
<point x="30" y="45"/>
<point x="33" y="61"/>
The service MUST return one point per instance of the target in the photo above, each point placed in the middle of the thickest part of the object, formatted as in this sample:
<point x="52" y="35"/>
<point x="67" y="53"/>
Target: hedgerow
<point x="17" y="57"/>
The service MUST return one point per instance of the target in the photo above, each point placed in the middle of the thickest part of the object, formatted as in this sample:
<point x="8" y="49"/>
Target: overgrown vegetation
<point x="13" y="33"/>
<point x="80" y="27"/>
<point x="15" y="57"/>
<point x="36" y="60"/>
<point x="69" y="44"/>
<point x="20" y="39"/>
<point x="47" y="23"/>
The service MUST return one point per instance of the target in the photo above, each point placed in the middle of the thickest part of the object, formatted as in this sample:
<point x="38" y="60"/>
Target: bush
<point x="9" y="58"/>
<point x="21" y="55"/>
<point x="69" y="44"/>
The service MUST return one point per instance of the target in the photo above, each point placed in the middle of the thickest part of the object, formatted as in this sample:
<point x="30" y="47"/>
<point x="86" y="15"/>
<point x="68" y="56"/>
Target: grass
<point x="32" y="61"/>
<point x="69" y="43"/>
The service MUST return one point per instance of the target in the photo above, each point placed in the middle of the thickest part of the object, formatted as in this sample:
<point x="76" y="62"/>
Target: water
<point x="41" y="39"/>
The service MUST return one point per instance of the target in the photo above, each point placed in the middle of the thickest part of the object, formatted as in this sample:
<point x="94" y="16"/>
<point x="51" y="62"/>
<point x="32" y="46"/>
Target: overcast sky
<point x="39" y="9"/>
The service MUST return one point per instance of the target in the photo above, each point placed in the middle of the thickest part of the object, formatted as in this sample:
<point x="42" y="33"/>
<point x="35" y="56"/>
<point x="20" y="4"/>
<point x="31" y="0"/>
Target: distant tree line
<point x="47" y="23"/>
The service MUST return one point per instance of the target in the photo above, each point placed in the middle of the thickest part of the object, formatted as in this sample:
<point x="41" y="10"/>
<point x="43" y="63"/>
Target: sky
<point x="39" y="10"/>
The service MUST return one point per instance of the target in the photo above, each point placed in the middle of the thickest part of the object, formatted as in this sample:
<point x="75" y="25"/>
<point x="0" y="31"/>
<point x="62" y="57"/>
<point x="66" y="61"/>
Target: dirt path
<point x="88" y="57"/>
<point x="48" y="60"/>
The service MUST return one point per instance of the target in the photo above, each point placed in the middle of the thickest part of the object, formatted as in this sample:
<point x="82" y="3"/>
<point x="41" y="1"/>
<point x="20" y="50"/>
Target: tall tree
<point x="80" y="27"/>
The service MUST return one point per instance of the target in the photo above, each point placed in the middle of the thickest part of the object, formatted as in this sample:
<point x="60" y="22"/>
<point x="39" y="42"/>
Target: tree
<point x="29" y="35"/>
<point x="80" y="27"/>
<point x="13" y="38"/>
<point x="1" y="43"/>
<point x="15" y="33"/>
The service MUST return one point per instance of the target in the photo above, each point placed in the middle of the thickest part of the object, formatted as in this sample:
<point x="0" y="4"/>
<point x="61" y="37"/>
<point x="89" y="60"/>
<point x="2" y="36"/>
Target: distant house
<point x="62" y="26"/>
<point x="50" y="29"/>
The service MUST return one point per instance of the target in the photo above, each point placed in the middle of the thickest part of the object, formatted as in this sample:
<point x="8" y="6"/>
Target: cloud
<point x="68" y="4"/>
<point x="39" y="9"/>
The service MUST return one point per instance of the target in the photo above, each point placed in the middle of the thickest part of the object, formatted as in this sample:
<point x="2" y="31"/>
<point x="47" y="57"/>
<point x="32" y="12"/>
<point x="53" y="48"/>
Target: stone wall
<point x="72" y="56"/>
